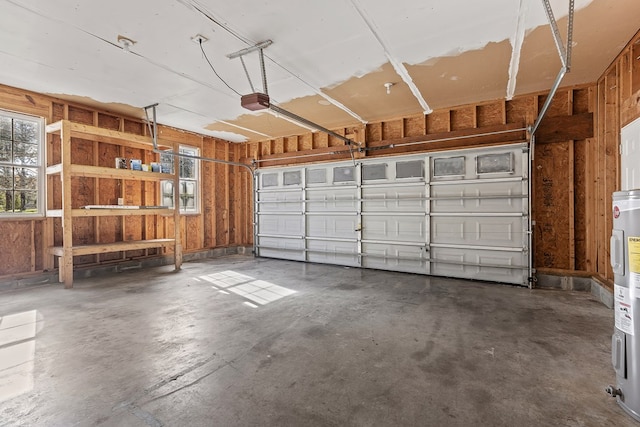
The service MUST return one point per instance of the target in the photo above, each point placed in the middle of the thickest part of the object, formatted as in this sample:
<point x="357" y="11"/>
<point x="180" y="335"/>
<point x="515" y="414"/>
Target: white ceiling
<point x="438" y="53"/>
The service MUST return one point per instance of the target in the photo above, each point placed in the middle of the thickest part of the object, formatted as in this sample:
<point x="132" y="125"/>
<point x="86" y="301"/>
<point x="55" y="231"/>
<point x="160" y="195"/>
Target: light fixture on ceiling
<point x="388" y="85"/>
<point x="199" y="39"/>
<point x="126" y="43"/>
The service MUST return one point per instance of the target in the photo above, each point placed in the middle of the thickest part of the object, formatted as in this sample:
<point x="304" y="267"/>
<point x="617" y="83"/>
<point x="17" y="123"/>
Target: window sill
<point x="18" y="217"/>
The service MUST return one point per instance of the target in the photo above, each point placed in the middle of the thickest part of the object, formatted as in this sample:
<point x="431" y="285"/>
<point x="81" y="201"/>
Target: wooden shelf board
<point x="54" y="169"/>
<point x="54" y="127"/>
<point x="113" y="173"/>
<point x="100" y="248"/>
<point x="120" y="212"/>
<point x="54" y="213"/>
<point x="94" y="133"/>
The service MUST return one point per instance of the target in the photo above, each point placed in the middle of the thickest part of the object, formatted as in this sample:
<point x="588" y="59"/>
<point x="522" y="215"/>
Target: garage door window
<point x="270" y="180"/>
<point x="451" y="166"/>
<point x="494" y="163"/>
<point x="371" y="172"/>
<point x="292" y="178"/>
<point x="21" y="177"/>
<point x="344" y="174"/>
<point x="316" y="176"/>
<point x="412" y="169"/>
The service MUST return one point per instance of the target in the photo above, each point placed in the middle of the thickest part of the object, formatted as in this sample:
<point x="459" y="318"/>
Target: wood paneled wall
<point x="226" y="198"/>
<point x="618" y="104"/>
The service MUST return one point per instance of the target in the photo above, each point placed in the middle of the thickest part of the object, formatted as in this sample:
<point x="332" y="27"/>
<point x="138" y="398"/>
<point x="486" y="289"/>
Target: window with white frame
<point x="21" y="165"/>
<point x="189" y="179"/>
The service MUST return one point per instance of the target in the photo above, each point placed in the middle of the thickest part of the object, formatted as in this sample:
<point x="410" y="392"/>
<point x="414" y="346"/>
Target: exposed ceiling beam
<point x="398" y="66"/>
<point x="245" y="129"/>
<point x="277" y="114"/>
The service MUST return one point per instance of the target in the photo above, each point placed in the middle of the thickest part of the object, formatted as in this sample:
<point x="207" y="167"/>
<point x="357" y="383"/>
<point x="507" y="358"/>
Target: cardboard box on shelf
<point x="136" y="164"/>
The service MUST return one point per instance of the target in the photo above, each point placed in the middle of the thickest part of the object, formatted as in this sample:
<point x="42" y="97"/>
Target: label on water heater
<point x="623" y="308"/>
<point x="633" y="244"/>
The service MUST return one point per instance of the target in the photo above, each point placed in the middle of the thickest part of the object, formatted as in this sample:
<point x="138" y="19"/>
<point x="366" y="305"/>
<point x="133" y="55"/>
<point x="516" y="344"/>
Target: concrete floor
<point x="321" y="346"/>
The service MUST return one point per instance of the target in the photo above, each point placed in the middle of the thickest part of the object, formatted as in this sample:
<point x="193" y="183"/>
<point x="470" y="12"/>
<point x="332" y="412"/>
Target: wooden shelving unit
<point x="66" y="170"/>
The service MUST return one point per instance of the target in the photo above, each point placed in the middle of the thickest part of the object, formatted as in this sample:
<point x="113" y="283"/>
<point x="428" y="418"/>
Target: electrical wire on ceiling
<point x="214" y="69"/>
<point x="252" y="46"/>
<point x="197" y="6"/>
<point x="200" y="8"/>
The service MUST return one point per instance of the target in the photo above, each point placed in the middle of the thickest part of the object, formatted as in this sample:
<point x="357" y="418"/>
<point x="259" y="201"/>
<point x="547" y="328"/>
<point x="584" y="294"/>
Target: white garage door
<point x="458" y="213"/>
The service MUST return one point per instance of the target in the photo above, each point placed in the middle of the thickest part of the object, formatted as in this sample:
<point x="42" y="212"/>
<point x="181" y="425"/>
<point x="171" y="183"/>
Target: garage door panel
<point x="332" y="200"/>
<point x="280" y="201"/>
<point x="480" y="231"/>
<point x="331" y="252"/>
<point x="394" y="199"/>
<point x="478" y="197"/>
<point x="281" y="248"/>
<point x="493" y="266"/>
<point x="328" y="226"/>
<point x="285" y="225"/>
<point x="394" y="228"/>
<point x="409" y="259"/>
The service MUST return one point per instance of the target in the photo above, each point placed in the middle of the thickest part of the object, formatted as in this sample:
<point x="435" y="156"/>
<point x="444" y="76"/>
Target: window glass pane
<point x="166" y="188"/>
<point x="25" y="153"/>
<point x="6" y="204"/>
<point x="270" y="180"/>
<point x="370" y="172"/>
<point x="292" y="178"/>
<point x="188" y="195"/>
<point x="25" y="201"/>
<point x="410" y="169"/>
<point x="494" y="163"/>
<point x="189" y="151"/>
<point x="25" y="131"/>
<point x="5" y="128"/>
<point x="166" y="162"/>
<point x="344" y="174"/>
<point x="5" y="151"/>
<point x="20" y="148"/>
<point x="6" y="178"/>
<point x="187" y="168"/>
<point x="25" y="179"/>
<point x="448" y="166"/>
<point x="317" y="176"/>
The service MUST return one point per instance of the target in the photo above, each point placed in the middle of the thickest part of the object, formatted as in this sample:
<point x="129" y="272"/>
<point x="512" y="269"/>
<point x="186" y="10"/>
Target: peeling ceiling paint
<point x="335" y="52"/>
